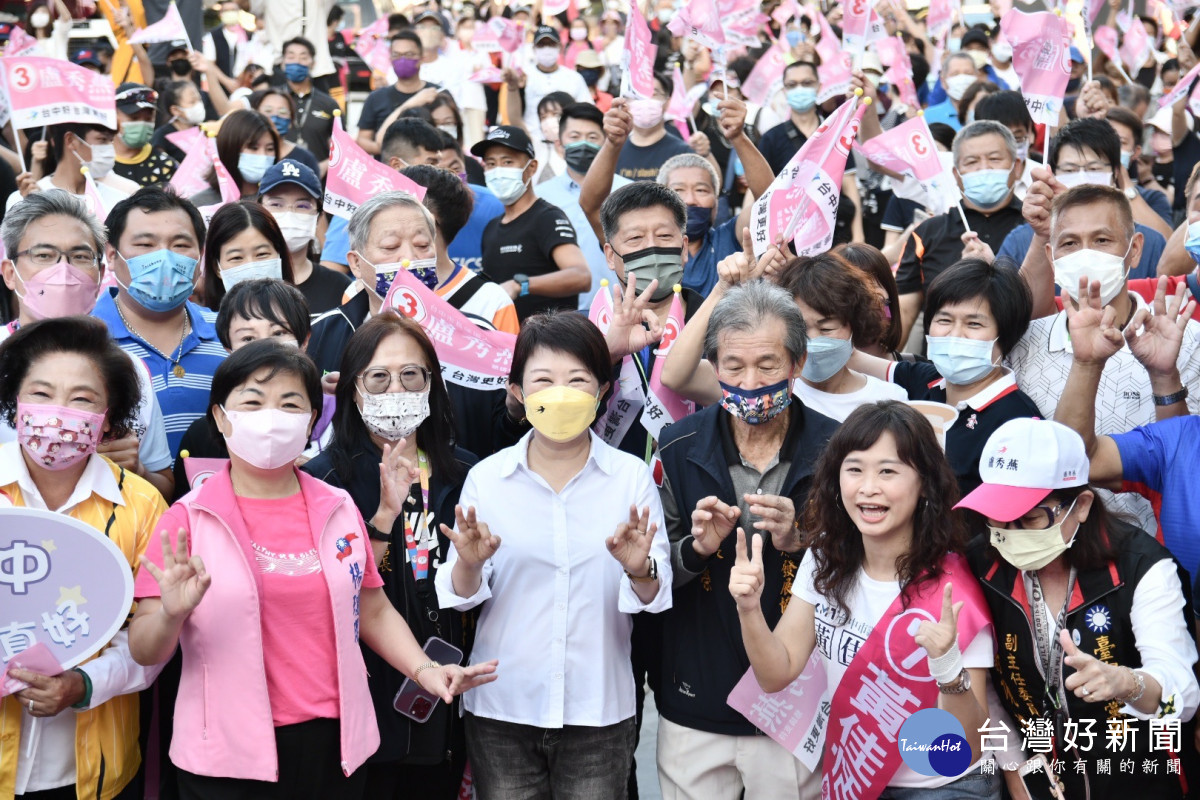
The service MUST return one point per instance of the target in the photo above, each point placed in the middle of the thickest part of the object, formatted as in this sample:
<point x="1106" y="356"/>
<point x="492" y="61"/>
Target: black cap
<point x="512" y="137"/>
<point x="86" y="57"/>
<point x="135" y="97"/>
<point x="178" y="44"/>
<point x="433" y="15"/>
<point x="974" y="36"/>
<point x="545" y="32"/>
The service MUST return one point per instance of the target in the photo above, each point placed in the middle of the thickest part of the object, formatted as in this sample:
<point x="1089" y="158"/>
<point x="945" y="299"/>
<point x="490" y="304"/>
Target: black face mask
<point x="591" y="76"/>
<point x="580" y="155"/>
<point x="180" y="66"/>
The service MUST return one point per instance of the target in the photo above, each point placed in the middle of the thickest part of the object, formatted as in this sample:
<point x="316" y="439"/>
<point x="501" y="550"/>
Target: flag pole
<point x="17" y="143"/>
<point x="963" y="216"/>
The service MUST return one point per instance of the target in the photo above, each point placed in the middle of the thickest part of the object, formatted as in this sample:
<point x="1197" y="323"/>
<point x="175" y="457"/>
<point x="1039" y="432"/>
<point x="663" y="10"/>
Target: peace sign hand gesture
<point x="744" y="267"/>
<point x="746" y="577"/>
<point x="630" y="544"/>
<point x="939" y="638"/>
<point x="1157" y="346"/>
<point x="473" y="542"/>
<point x="182" y="582"/>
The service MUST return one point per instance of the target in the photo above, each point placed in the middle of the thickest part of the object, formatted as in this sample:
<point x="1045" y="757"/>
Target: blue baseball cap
<point x="1076" y="56"/>
<point x="288" y="171"/>
<point x="86" y="57"/>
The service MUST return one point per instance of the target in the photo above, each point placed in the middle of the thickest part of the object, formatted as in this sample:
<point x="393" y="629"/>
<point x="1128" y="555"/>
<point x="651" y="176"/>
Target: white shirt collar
<point x="1060" y="336"/>
<point x="987" y="395"/>
<point x="518" y="455"/>
<point x="97" y="478"/>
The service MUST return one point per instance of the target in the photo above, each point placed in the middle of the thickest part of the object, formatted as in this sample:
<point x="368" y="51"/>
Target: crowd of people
<point x="978" y="414"/>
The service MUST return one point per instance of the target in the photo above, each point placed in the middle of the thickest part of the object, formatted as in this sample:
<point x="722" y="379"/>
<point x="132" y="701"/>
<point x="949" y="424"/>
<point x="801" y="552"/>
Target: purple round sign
<point x="63" y="584"/>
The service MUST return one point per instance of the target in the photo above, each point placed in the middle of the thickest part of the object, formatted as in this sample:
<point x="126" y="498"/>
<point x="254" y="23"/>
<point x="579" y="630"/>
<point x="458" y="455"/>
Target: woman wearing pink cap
<point x="1091" y="623"/>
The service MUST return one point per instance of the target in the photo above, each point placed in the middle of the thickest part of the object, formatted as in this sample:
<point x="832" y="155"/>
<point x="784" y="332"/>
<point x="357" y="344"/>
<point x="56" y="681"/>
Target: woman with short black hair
<point x="243" y="242"/>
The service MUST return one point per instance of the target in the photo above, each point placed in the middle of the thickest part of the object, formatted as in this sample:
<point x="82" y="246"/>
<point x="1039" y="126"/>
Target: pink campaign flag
<point x="785" y="11"/>
<point x="191" y="177"/>
<point x="698" y="20"/>
<point x="510" y="35"/>
<point x="828" y="45"/>
<point x="372" y="45"/>
<point x="795" y="716"/>
<point x="488" y="75"/>
<point x="802" y="201"/>
<point x="664" y="406"/>
<point x="601" y="311"/>
<point x="553" y="7"/>
<point x="167" y="29"/>
<point x="1105" y="39"/>
<point x="485" y="40"/>
<point x="679" y="107"/>
<point x="20" y="43"/>
<point x="1041" y="45"/>
<point x="941" y="16"/>
<point x="861" y="25"/>
<point x="91" y="196"/>
<point x="198" y="470"/>
<point x="1181" y="88"/>
<point x="899" y="72"/>
<point x="766" y="73"/>
<point x="354" y="177"/>
<point x="638" y="59"/>
<point x="890" y="49"/>
<point x="836" y="76"/>
<point x="48" y="91"/>
<point x="1135" y="48"/>
<point x="906" y="149"/>
<point x="628" y="399"/>
<point x="470" y="356"/>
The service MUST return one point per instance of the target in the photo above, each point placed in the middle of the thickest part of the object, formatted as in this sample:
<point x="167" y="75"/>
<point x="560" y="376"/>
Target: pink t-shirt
<point x="299" y="653"/>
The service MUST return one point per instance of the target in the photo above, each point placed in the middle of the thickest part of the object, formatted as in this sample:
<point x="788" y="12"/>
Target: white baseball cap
<point x="1022" y="463"/>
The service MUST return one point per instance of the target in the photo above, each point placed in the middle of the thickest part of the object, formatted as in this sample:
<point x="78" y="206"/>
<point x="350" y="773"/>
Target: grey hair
<point x="685" y="160"/>
<point x="984" y="127"/>
<point x="959" y="54"/>
<point x="1131" y="94"/>
<point x="748" y="307"/>
<point x="364" y="215"/>
<point x="44" y="204"/>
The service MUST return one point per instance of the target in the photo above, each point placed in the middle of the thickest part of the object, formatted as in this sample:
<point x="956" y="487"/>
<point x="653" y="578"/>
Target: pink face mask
<point x="59" y="291"/>
<point x="646" y="113"/>
<point x="268" y="438"/>
<point x="57" y="437"/>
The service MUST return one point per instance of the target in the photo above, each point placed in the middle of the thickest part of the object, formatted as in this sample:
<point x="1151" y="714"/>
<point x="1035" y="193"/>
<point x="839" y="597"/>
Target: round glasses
<point x="377" y="380"/>
<point x="44" y="255"/>
<point x="1033" y="521"/>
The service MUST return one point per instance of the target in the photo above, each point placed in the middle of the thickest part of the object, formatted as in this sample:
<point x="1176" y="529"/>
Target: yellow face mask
<point x="561" y="413"/>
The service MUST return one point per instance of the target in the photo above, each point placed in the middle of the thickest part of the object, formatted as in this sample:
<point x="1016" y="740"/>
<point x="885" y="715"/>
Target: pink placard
<point x="354" y="177"/>
<point x="639" y="56"/>
<point x="49" y="91"/>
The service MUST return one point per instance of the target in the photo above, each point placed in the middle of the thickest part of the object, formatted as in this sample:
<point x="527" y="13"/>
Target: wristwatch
<point x="523" y="280"/>
<point x="1130" y="193"/>
<point x="650" y="576"/>
<point x="957" y="686"/>
<point x="1171" y="399"/>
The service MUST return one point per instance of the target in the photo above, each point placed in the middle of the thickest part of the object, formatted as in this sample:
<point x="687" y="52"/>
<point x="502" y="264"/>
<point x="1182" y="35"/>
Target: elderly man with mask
<point x="987" y="168"/>
<point x="746" y="462"/>
<point x="1089" y="233"/>
<point x="958" y="72"/>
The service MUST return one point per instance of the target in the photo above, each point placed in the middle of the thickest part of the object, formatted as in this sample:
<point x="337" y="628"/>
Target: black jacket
<point x="703" y="657"/>
<point x="402" y="740"/>
<point x="1098" y="614"/>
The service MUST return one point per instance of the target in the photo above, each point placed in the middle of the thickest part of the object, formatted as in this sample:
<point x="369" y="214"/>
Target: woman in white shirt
<point x="561" y="540"/>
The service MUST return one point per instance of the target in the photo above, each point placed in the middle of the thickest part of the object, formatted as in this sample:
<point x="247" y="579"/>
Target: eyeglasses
<point x="45" y="255"/>
<point x="300" y="206"/>
<point x="1036" y="524"/>
<point x="377" y="380"/>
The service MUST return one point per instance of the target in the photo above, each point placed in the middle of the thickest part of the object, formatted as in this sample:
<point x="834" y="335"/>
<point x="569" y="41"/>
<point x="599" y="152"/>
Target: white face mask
<point x="297" y="229"/>
<point x="194" y="115"/>
<point x="957" y="86"/>
<point x="39" y="19"/>
<point x="1002" y="51"/>
<point x="394" y="415"/>
<point x="1107" y="268"/>
<point x="267" y="268"/>
<point x="546" y="57"/>
<point x="450" y="129"/>
<point x="1086" y="178"/>
<point x="104" y="157"/>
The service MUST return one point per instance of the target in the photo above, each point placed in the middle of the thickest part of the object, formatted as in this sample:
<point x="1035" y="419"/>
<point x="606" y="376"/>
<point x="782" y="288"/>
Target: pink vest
<point x="223" y="724"/>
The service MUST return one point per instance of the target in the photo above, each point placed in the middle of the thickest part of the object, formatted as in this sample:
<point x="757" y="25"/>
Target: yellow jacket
<point x="106" y="737"/>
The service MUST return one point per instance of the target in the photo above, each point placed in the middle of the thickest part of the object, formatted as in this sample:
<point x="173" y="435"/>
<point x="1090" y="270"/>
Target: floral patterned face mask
<point x="757" y="405"/>
<point x="57" y="437"/>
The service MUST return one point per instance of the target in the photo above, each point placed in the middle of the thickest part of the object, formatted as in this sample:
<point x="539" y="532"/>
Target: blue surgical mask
<point x="699" y="220"/>
<point x="1192" y="243"/>
<point x="756" y="406"/>
<point x="1023" y="150"/>
<point x="1125" y="159"/>
<point x="801" y="98"/>
<point x="793" y="38"/>
<point x="961" y="361"/>
<point x="253" y="166"/>
<point x="282" y="124"/>
<point x="826" y="357"/>
<point x="162" y="280"/>
<point x="296" y="73"/>
<point x="985" y="188"/>
<point x="507" y="183"/>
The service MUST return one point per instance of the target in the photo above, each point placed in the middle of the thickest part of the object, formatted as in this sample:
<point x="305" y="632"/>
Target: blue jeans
<point x="972" y="786"/>
<point x="520" y="762"/>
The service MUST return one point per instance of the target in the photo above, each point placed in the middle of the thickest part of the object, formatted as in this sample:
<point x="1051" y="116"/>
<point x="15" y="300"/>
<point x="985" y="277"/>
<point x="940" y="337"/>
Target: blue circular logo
<point x="932" y="742"/>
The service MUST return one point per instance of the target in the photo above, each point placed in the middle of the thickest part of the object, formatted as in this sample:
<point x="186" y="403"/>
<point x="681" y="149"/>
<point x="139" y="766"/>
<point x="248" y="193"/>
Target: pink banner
<point x="861" y="25"/>
<point x="795" y="716"/>
<point x="49" y="91"/>
<point x="638" y="74"/>
<point x="679" y="107"/>
<point x="191" y="177"/>
<point x="373" y="47"/>
<point x="698" y="20"/>
<point x="906" y="149"/>
<point x="899" y="71"/>
<point x="785" y="11"/>
<point x="354" y="177"/>
<point x="663" y="405"/>
<point x="1105" y="39"/>
<point x="20" y="43"/>
<point x="552" y="7"/>
<point x="230" y="191"/>
<point x="836" y="76"/>
<point x="941" y="17"/>
<point x="828" y="45"/>
<point x="485" y="40"/>
<point x="766" y="73"/>
<point x="601" y="311"/>
<point x="890" y="49"/>
<point x="1041" y="45"/>
<point x="1135" y="48"/>
<point x="488" y="75"/>
<point x="167" y="29"/>
<point x="470" y="356"/>
<point x="510" y="35"/>
<point x="1181" y="88"/>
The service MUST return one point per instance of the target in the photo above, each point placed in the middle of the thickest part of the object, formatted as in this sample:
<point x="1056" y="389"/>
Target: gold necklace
<point x="176" y="368"/>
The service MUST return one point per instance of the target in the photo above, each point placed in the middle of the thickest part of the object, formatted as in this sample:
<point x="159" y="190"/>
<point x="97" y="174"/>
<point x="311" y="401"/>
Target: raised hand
<point x="1161" y="333"/>
<point x="1094" y="334"/>
<point x="746" y="577"/>
<point x="618" y="122"/>
<point x="974" y="247"/>
<point x="712" y="521"/>
<point x="777" y="517"/>
<point x="397" y="474"/>
<point x="182" y="582"/>
<point x="1092" y="101"/>
<point x="1093" y="680"/>
<point x="698" y="141"/>
<point x="450" y="680"/>
<point x="630" y="544"/>
<point x="738" y="268"/>
<point x="938" y="638"/>
<point x="627" y="333"/>
<point x="733" y="117"/>
<point x="473" y="542"/>
<point x="1039" y="199"/>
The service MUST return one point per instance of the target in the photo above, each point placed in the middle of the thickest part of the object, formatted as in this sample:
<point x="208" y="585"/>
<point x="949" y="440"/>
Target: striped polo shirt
<point x="182" y="399"/>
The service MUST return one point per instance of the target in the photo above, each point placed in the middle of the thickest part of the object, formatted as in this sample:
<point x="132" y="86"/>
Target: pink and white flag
<point x="553" y="7"/>
<point x="191" y="177"/>
<point x="230" y="191"/>
<point x="600" y="312"/>
<point x="628" y="398"/>
<point x="1135" y="48"/>
<point x="908" y="149"/>
<point x="91" y="196"/>
<point x="802" y="201"/>
<point x="637" y="77"/>
<point x="198" y="470"/>
<point x="941" y="16"/>
<point x="20" y="43"/>
<point x="899" y="72"/>
<point x="470" y="356"/>
<point x="48" y="91"/>
<point x="1105" y="38"/>
<point x="785" y="11"/>
<point x="828" y="45"/>
<point x="766" y="73"/>
<point x="509" y="35"/>
<point x="795" y="716"/>
<point x="485" y="40"/>
<point x="373" y="47"/>
<point x="1181" y="88"/>
<point x="698" y="20"/>
<point x="663" y="405"/>
<point x="487" y="75"/>
<point x="861" y="25"/>
<point x="1041" y="45"/>
<point x="890" y="49"/>
<point x="167" y="29"/>
<point x="354" y="177"/>
<point x="836" y="75"/>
